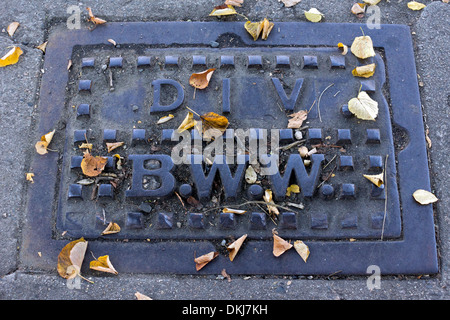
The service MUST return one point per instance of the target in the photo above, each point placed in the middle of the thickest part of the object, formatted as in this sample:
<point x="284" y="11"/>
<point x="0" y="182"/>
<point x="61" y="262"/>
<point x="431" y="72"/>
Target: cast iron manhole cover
<point x="170" y="208"/>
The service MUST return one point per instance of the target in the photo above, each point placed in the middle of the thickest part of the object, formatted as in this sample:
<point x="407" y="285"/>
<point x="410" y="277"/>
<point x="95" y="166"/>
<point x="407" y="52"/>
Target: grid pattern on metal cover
<point x="118" y="93"/>
<point x="249" y="86"/>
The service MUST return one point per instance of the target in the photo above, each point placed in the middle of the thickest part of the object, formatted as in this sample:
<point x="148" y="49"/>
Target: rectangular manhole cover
<point x="169" y="191"/>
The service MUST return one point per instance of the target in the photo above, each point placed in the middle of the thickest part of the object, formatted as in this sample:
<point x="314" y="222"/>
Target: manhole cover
<point x="170" y="207"/>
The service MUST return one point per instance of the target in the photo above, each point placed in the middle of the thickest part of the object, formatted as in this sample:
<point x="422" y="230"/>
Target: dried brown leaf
<point x="203" y="260"/>
<point x="280" y="245"/>
<point x="201" y="80"/>
<point x="297" y="119"/>
<point x="235" y="246"/>
<point x="92" y="166"/>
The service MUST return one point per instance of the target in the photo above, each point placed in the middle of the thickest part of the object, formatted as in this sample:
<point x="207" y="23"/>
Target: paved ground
<point x="19" y="87"/>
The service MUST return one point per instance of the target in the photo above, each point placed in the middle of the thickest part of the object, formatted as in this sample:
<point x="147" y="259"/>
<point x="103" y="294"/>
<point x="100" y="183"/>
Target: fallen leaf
<point x="92" y="166"/>
<point x="42" y="46"/>
<point x="250" y="175"/>
<point x="414" y="5"/>
<point x="223" y="10"/>
<point x="372" y="2"/>
<point x="93" y="18"/>
<point x="85" y="145"/>
<point x="297" y="119"/>
<point x="42" y="145"/>
<point x="103" y="264"/>
<point x="293" y="188"/>
<point x="266" y="28"/>
<point x="424" y="197"/>
<point x="254" y="28"/>
<point x="237" y="3"/>
<point x="302" y="249"/>
<point x="269" y="202"/>
<point x="29" y="176"/>
<point x="141" y="296"/>
<point x="362" y="47"/>
<point x="343" y="47"/>
<point x="69" y="64"/>
<point x="165" y="119"/>
<point x="428" y="138"/>
<point x="111" y="228"/>
<point x="112" y="41"/>
<point x="376" y="179"/>
<point x="235" y="246"/>
<point x="71" y="258"/>
<point x="365" y="71"/>
<point x="12" y="28"/>
<point x="280" y="245"/>
<point x="114" y="145"/>
<point x="12" y="57"/>
<point x="290" y="3"/>
<point x="313" y="15"/>
<point x="213" y="125"/>
<point x="229" y="210"/>
<point x="363" y="107"/>
<point x="187" y="123"/>
<point x="359" y="9"/>
<point x="201" y="261"/>
<point x="201" y="80"/>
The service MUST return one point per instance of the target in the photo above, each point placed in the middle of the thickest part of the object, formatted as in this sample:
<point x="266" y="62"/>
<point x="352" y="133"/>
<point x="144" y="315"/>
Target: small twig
<point x="326" y="179"/>
<point x="312" y="106"/>
<point x="385" y="196"/>
<point x="293" y="144"/>
<point x="318" y="102"/>
<point x="329" y="162"/>
<point x="181" y="200"/>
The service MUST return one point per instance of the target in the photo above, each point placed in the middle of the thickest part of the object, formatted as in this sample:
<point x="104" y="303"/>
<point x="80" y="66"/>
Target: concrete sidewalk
<point x="19" y="89"/>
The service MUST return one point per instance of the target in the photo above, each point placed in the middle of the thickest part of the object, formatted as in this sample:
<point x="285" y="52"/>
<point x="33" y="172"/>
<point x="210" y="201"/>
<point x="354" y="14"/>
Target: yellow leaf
<point x="12" y="57"/>
<point x="201" y="261"/>
<point x="111" y="228"/>
<point x="229" y="210"/>
<point x="414" y="5"/>
<point x="362" y="47"/>
<point x="297" y="119"/>
<point x="223" y="10"/>
<point x="359" y="9"/>
<point x="280" y="245"/>
<point x="42" y="46"/>
<point x="269" y="202"/>
<point x="293" y="188"/>
<point x="343" y="47"/>
<point x="254" y="28"/>
<point x="313" y="15"/>
<point x="29" y="177"/>
<point x="114" y="145"/>
<point x="235" y="246"/>
<point x="41" y="146"/>
<point x="165" y="119"/>
<point x="213" y="125"/>
<point x="424" y="197"/>
<point x="201" y="80"/>
<point x="363" y="107"/>
<point x="12" y="28"/>
<point x="93" y="18"/>
<point x="250" y="175"/>
<point x="364" y="71"/>
<point x="266" y="28"/>
<point x="71" y="258"/>
<point x="92" y="166"/>
<point x="302" y="249"/>
<point x="376" y="179"/>
<point x="85" y="145"/>
<point x="187" y="123"/>
<point x="103" y="264"/>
